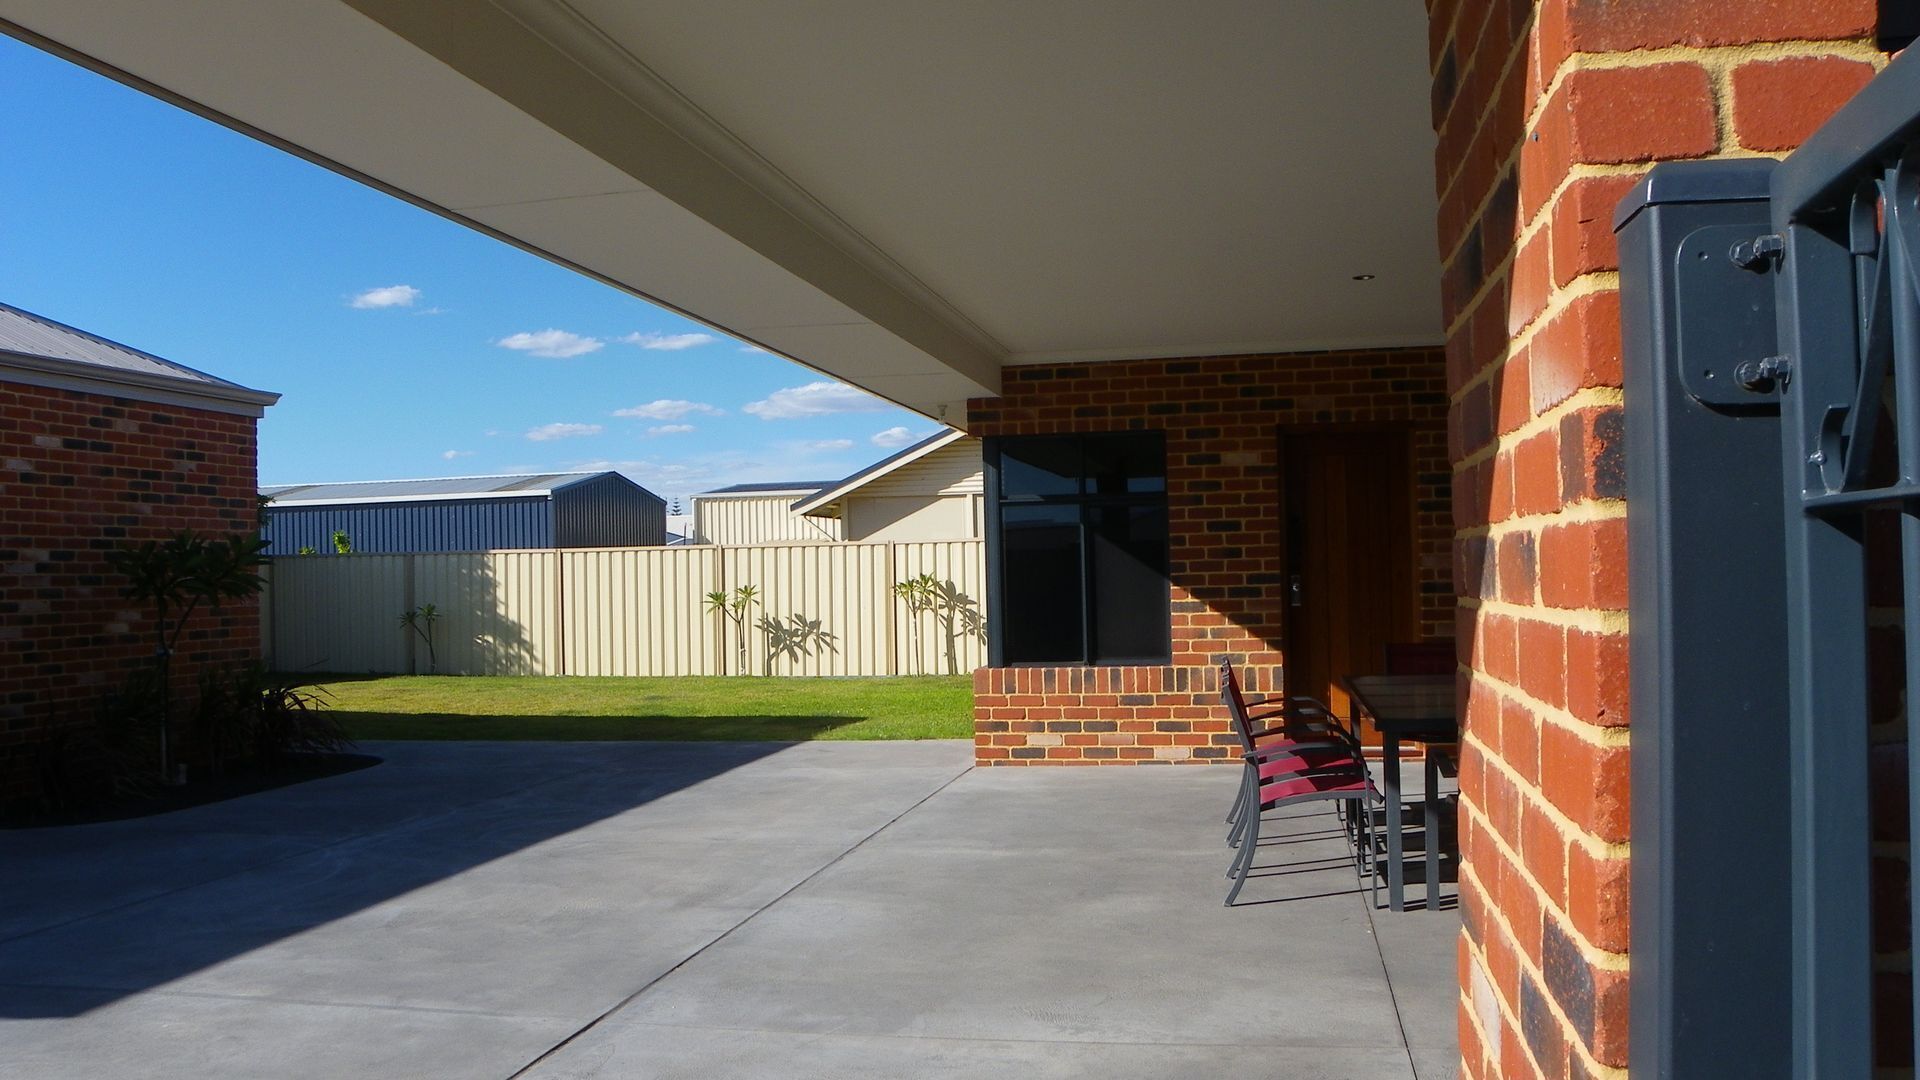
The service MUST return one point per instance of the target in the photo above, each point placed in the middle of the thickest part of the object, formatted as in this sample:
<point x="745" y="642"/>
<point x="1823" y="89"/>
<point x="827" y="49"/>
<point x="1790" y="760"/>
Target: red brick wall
<point x="1222" y="417"/>
<point x="1547" y="112"/>
<point x="79" y="475"/>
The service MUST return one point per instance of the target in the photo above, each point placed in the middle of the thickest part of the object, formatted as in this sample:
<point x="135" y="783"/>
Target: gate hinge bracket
<point x="1758" y="254"/>
<point x="1763" y="376"/>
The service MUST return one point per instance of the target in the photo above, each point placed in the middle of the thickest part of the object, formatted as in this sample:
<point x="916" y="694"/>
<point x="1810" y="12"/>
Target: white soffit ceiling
<point x="903" y="194"/>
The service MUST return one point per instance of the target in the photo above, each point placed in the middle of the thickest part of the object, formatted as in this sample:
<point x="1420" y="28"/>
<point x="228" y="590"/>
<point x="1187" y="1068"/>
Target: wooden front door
<point x="1348" y="506"/>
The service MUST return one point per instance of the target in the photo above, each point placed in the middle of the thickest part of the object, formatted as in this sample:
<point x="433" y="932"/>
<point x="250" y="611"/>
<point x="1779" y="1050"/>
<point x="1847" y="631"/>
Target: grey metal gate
<point x="1772" y="319"/>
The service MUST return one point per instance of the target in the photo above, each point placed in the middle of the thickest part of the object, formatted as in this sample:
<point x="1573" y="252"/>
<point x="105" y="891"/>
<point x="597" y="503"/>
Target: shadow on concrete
<point x="91" y="914"/>
<point x="545" y="727"/>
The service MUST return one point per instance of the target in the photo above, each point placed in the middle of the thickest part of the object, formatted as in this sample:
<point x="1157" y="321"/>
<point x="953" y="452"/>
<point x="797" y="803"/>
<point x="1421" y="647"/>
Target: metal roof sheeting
<point x="467" y="513"/>
<point x="796" y="486"/>
<point x="26" y="334"/>
<point x="38" y="351"/>
<point x="529" y="485"/>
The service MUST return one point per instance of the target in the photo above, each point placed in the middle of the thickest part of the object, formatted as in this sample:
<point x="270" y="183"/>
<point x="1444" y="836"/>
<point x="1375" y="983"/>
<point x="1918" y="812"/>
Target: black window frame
<point x="996" y="501"/>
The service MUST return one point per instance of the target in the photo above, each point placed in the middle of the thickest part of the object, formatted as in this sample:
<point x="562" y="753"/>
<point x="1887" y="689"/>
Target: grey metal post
<point x="1711" y="990"/>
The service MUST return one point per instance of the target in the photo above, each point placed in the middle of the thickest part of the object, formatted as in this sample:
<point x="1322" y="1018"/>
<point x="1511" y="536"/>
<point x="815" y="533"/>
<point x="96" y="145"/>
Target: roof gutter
<point x="59" y="374"/>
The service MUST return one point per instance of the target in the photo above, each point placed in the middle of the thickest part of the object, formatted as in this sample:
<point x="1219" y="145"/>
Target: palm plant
<point x="176" y="577"/>
<point x="920" y="593"/>
<point x="420" y="620"/>
<point x="734" y="609"/>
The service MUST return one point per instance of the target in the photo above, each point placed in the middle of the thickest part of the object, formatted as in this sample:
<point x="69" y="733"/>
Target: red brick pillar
<point x="1547" y="113"/>
<point x="80" y="475"/>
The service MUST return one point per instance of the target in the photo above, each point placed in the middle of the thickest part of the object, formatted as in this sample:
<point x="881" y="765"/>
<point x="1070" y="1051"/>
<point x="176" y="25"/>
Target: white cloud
<point x="893" y="438"/>
<point x="386" y="296"/>
<point x="685" y="476"/>
<point x="452" y="454"/>
<point x="814" y="399"/>
<point x="672" y="475"/>
<point x="668" y="409"/>
<point x="681" y="476"/>
<point x="562" y="431"/>
<point x="554" y="344"/>
<point x="751" y="348"/>
<point x="669" y="342"/>
<point x="670" y="429"/>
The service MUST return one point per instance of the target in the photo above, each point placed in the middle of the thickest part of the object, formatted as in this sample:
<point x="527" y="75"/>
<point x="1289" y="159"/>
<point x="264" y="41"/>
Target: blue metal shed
<point x="466" y="513"/>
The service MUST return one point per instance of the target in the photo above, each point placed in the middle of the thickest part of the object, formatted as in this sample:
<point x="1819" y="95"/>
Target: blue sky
<point x="404" y="345"/>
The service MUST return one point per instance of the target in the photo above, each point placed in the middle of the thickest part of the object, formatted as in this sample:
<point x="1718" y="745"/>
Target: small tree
<point x="919" y="594"/>
<point x="420" y="620"/>
<point x="176" y="577"/>
<point x="342" y="543"/>
<point x="733" y="608"/>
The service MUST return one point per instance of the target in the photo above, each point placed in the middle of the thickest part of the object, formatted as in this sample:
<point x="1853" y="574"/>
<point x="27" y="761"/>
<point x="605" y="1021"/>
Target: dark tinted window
<point x="1033" y="468"/>
<point x="1129" y="576"/>
<point x="1081" y="549"/>
<point x="1125" y="465"/>
<point x="1043" y="596"/>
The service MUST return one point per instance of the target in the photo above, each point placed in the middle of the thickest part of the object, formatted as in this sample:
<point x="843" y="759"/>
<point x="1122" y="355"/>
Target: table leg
<point x="1390" y="772"/>
<point x="1432" y="823"/>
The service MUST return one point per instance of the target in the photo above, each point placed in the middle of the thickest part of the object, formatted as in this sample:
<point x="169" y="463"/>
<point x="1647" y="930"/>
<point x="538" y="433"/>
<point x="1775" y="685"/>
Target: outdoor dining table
<point x="1417" y="708"/>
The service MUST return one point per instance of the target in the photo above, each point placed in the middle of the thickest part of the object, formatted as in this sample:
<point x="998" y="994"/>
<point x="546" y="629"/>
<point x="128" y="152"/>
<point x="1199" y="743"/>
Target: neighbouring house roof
<point x="786" y="487"/>
<point x="518" y="485"/>
<point x="41" y="352"/>
<point x="823" y="499"/>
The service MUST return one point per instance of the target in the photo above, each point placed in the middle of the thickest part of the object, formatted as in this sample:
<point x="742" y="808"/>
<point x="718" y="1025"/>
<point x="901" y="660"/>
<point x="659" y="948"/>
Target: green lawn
<point x="508" y="707"/>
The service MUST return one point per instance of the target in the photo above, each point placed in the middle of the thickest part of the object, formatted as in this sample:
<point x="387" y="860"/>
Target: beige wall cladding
<point x="907" y="517"/>
<point x="498" y="612"/>
<point x="823" y="609"/>
<point x="759" y="519"/>
<point x="338" y="613"/>
<point x="640" y="611"/>
<point x="950" y="470"/>
<point x="953" y="637"/>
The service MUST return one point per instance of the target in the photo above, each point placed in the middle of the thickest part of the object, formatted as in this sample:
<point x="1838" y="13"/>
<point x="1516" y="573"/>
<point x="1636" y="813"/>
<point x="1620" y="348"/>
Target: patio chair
<point x="1297" y="718"/>
<point x="1302" y="759"/>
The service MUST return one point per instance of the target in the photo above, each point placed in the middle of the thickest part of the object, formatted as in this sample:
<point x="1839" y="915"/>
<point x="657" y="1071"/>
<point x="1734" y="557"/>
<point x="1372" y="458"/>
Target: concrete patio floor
<point x="710" y="910"/>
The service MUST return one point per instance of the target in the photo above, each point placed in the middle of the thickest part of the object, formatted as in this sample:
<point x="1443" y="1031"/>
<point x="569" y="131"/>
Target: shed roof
<point x="795" y="487"/>
<point x="831" y="493"/>
<point x="517" y="485"/>
<point x="35" y="343"/>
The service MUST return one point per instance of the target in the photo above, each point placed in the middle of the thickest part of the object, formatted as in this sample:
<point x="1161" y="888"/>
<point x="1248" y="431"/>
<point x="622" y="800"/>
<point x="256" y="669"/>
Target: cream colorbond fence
<point x="824" y="609"/>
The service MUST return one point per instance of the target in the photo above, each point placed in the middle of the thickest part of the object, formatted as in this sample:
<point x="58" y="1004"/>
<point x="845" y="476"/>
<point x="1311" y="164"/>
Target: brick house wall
<point x="80" y="474"/>
<point x="1547" y="112"/>
<point x="1222" y="418"/>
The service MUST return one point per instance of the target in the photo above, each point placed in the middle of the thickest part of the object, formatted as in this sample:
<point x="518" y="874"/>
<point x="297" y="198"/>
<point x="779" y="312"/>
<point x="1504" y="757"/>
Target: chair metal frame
<point x="1276" y="756"/>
